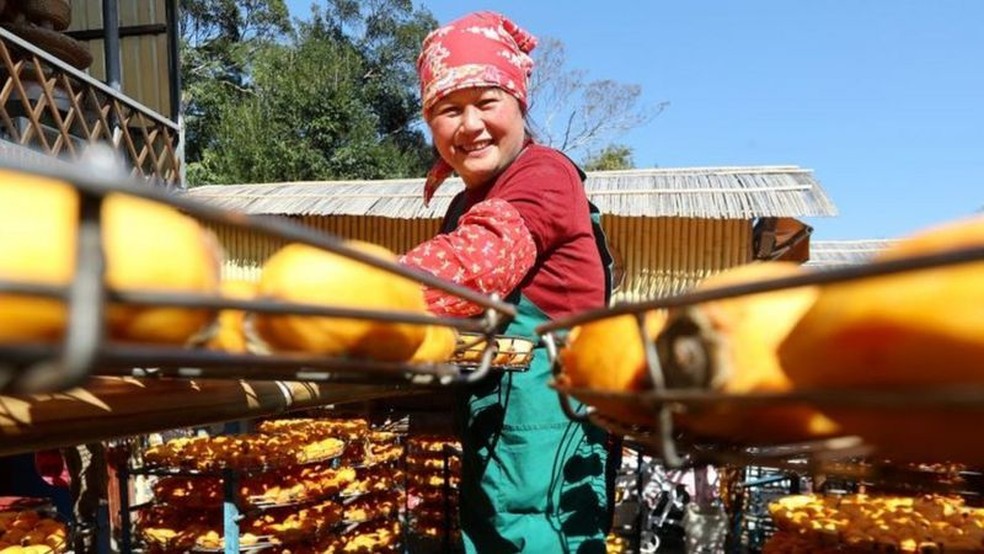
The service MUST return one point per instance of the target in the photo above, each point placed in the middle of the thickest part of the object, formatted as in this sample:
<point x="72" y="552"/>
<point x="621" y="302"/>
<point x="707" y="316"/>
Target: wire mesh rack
<point x="85" y="349"/>
<point x="656" y="407"/>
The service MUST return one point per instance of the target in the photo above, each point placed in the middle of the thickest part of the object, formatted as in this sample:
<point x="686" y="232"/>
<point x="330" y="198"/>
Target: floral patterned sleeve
<point x="490" y="251"/>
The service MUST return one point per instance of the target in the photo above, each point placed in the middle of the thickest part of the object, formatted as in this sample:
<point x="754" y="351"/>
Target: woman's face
<point x="478" y="131"/>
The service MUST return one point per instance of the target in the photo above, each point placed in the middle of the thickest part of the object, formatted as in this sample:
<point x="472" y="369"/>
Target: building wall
<point x="399" y="235"/>
<point x="245" y="251"/>
<point x="143" y="59"/>
<point x="657" y="256"/>
<point x="660" y="256"/>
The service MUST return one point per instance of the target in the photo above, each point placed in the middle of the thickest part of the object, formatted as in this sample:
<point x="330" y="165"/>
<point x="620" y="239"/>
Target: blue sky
<point x="882" y="99"/>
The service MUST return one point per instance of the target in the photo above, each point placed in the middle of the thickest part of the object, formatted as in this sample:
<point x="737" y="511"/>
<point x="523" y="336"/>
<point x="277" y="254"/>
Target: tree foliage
<point x="612" y="157"/>
<point x="218" y="40"/>
<point x="578" y="115"/>
<point x="332" y="97"/>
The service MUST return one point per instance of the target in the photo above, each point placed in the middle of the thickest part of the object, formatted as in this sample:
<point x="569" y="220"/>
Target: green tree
<point x="336" y="98"/>
<point x="612" y="157"/>
<point x="218" y="40"/>
<point x="388" y="33"/>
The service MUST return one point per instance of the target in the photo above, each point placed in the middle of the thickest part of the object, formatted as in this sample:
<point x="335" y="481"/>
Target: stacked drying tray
<point x="433" y="475"/>
<point x="885" y="357"/>
<point x="284" y="483"/>
<point x="371" y="500"/>
<point x="821" y="372"/>
<point x="326" y="498"/>
<point x="31" y="526"/>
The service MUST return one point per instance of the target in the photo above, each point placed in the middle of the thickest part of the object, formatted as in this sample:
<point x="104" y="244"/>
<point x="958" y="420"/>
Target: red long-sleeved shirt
<point x="530" y="229"/>
<point x="490" y="251"/>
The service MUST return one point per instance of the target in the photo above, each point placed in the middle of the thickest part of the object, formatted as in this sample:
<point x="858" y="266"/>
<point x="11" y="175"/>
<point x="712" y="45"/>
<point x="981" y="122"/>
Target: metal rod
<point x="965" y="396"/>
<point x="550" y="343"/>
<point x="86" y="318"/>
<point x="173" y="57"/>
<point x="86" y="35"/>
<point x="571" y="413"/>
<point x="177" y="363"/>
<point x="111" y="42"/>
<point x="189" y="300"/>
<point x="664" y="417"/>
<point x="214" y="302"/>
<point x="123" y="480"/>
<point x="555" y="369"/>
<point x="260" y="374"/>
<point x="104" y="530"/>
<point x="230" y="511"/>
<point x="85" y="327"/>
<point x="798" y="457"/>
<point x="125" y="359"/>
<point x="127" y="355"/>
<point x="810" y="277"/>
<point x="446" y="489"/>
<point x="485" y="365"/>
<point x="643" y="510"/>
<point x="280" y="227"/>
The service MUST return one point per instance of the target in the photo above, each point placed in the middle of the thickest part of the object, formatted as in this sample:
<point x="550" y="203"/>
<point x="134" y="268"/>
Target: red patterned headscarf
<point x="481" y="49"/>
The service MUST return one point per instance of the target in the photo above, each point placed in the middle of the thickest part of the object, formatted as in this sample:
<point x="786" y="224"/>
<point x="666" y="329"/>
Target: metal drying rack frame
<point x="662" y="401"/>
<point x="85" y="350"/>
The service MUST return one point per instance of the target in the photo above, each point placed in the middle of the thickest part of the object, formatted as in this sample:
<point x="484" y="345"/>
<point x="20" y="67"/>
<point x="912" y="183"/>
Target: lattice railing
<point x="53" y="108"/>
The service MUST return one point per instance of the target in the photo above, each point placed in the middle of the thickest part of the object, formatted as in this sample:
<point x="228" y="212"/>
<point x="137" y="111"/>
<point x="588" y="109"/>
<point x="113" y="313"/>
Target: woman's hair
<point x="528" y="130"/>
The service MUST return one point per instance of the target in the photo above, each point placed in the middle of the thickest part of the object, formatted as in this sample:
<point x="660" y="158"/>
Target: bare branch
<point x="574" y="114"/>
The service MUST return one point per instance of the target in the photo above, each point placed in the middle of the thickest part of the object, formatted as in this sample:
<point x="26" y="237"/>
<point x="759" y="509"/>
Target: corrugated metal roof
<point x="838" y="253"/>
<point x="711" y="192"/>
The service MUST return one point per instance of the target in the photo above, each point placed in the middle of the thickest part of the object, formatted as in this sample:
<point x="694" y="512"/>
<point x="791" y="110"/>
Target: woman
<point x="532" y="480"/>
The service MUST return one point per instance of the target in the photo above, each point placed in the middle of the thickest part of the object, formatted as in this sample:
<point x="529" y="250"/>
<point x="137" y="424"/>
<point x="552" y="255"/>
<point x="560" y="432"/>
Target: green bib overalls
<point x="533" y="481"/>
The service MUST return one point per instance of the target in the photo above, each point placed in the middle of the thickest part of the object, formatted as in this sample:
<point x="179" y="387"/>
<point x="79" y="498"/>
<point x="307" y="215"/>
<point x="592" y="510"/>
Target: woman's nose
<point x="471" y="119"/>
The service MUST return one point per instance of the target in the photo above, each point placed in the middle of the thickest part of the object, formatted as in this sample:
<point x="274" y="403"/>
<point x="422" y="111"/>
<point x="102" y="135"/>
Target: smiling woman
<point x="479" y="131"/>
<point x="532" y="480"/>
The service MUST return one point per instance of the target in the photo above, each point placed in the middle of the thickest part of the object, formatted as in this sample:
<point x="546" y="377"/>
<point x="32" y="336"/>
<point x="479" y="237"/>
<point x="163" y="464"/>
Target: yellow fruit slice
<point x="438" y="345"/>
<point x="148" y="246"/>
<point x="913" y="328"/>
<point x="300" y="273"/>
<point x="37" y="244"/>
<point x="229" y="334"/>
<point x="907" y="330"/>
<point x="741" y="335"/>
<point x="608" y="355"/>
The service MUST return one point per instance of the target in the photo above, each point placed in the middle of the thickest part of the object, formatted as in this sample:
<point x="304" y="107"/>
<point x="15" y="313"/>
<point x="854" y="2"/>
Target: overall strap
<point x="454" y="213"/>
<point x="601" y="239"/>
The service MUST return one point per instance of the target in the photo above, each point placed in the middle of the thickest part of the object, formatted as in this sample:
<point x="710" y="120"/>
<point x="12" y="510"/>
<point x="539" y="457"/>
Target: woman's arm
<point x="491" y="251"/>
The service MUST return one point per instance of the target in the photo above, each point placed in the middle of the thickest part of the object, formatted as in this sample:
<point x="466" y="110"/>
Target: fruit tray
<point x="677" y="377"/>
<point x="509" y="353"/>
<point x="40" y="364"/>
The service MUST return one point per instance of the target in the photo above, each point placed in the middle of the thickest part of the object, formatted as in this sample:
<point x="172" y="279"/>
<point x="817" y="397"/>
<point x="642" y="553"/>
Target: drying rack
<point x="658" y="405"/>
<point x="85" y="350"/>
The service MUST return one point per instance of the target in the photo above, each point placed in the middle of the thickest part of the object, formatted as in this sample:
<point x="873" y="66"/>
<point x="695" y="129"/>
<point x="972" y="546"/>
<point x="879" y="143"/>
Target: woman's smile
<point x="479" y="131"/>
<point x="476" y="147"/>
